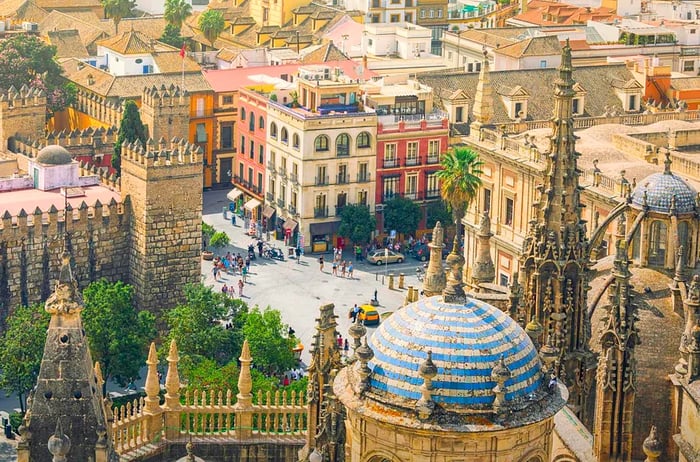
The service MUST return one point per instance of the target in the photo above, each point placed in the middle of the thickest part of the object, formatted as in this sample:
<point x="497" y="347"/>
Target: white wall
<point x="55" y="176"/>
<point x="124" y="65"/>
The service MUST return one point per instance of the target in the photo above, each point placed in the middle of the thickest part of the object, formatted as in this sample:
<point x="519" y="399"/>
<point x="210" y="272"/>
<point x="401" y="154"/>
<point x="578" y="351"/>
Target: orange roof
<point x="224" y="80"/>
<point x="546" y="12"/>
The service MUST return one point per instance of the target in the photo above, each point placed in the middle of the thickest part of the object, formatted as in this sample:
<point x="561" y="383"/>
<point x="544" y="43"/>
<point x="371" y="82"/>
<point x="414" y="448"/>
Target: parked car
<point x="422" y="252"/>
<point x="369" y="315"/>
<point x="382" y="256"/>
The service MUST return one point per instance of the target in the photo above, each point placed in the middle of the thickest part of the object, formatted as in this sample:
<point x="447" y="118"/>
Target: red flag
<point x="183" y="50"/>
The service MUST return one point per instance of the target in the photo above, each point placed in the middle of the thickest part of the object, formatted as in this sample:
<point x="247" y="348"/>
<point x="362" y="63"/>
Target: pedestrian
<point x="353" y="313"/>
<point x="224" y="289"/>
<point x="350" y="268"/>
<point x="247" y="263"/>
<point x="346" y="347"/>
<point x="335" y="268"/>
<point x="358" y="253"/>
<point x="285" y="382"/>
<point x="340" y="341"/>
<point x="260" y="248"/>
<point x="240" y="287"/>
<point x="320" y="262"/>
<point x="215" y="272"/>
<point x="245" y="274"/>
<point x="343" y="266"/>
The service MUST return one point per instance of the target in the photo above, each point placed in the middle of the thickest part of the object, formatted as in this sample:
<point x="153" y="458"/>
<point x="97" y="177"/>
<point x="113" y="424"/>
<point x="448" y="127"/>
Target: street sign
<point x="392" y="234"/>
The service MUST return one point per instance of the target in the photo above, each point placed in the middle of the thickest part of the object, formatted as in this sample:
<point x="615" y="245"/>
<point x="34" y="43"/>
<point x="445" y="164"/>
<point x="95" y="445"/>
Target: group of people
<point x="231" y="290"/>
<point x="231" y="264"/>
<point x="344" y="267"/>
<point x="291" y="376"/>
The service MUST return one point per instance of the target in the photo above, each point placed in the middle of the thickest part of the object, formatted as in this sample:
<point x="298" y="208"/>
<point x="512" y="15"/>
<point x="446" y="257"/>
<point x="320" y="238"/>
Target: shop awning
<point x="290" y="224"/>
<point x="268" y="211"/>
<point x="233" y="194"/>
<point x="329" y="227"/>
<point x="252" y="204"/>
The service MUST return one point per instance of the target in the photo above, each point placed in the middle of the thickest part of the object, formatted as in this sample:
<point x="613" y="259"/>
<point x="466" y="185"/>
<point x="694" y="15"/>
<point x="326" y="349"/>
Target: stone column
<point x="152" y="410"/>
<point x="244" y="403"/>
<point x="172" y="404"/>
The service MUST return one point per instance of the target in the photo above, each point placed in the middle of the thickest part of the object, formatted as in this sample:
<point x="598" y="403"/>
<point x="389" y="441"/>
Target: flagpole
<point x="183" y="53"/>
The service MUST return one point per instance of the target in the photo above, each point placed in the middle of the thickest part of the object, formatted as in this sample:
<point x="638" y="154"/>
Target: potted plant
<point x="208" y="232"/>
<point x="219" y="239"/>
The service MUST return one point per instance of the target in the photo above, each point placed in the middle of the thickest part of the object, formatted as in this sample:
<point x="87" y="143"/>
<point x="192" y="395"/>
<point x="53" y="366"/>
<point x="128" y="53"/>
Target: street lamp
<point x="386" y="261"/>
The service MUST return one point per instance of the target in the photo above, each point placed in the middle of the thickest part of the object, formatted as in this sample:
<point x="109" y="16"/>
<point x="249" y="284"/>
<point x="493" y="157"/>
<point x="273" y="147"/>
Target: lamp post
<point x="386" y="261"/>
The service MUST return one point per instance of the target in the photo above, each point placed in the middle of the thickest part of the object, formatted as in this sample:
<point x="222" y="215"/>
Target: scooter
<point x="251" y="252"/>
<point x="274" y="253"/>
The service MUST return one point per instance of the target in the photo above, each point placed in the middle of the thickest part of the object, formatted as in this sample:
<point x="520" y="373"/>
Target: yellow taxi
<point x="369" y="315"/>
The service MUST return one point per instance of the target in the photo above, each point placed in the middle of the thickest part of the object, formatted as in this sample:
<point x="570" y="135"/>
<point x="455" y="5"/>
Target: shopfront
<point x="323" y="235"/>
<point x="289" y="231"/>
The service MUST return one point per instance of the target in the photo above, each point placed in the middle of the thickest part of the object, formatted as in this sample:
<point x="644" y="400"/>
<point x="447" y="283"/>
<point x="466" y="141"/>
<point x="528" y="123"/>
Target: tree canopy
<point x="212" y="24"/>
<point x="27" y="60"/>
<point x="171" y="36"/>
<point x="117" y="333"/>
<point x="460" y="180"/>
<point x="437" y="211"/>
<point x="176" y="12"/>
<point x="402" y="215"/>
<point x="357" y="223"/>
<point x="270" y="345"/>
<point x="22" y="350"/>
<point x="118" y="10"/>
<point x="130" y="129"/>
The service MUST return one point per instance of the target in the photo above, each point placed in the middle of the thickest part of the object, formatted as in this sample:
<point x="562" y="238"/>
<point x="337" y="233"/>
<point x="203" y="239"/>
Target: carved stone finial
<point x="652" y="446"/>
<point x="364" y="354"/>
<point x="172" y="379"/>
<point x="245" y="381"/>
<point x="152" y="382"/>
<point x="667" y="163"/>
<point x="427" y="371"/>
<point x="66" y="299"/>
<point x="59" y="444"/>
<point x="434" y="281"/>
<point x="499" y="374"/>
<point x="454" y="289"/>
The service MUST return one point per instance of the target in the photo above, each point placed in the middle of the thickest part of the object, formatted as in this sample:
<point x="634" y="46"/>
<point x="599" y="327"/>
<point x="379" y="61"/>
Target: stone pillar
<point x="484" y="270"/>
<point x="401" y="281"/>
<point x="391" y="281"/>
<point x="244" y="398"/>
<point x="152" y="408"/>
<point x="435" y="279"/>
<point x="172" y="404"/>
<point x="483" y="99"/>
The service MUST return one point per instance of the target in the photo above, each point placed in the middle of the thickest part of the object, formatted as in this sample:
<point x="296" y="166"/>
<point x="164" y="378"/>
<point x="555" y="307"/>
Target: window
<point x="293" y="202"/>
<point x="250" y="176"/>
<point x="284" y="136"/>
<point x="411" y="186"/>
<point x="251" y="122"/>
<point x="260" y="180"/>
<point x="422" y="14"/>
<point x="273" y="130"/>
<point x="227" y="135"/>
<point x="272" y="188"/>
<point x="543" y="63"/>
<point x="390" y="186"/>
<point x="369" y="42"/>
<point x="503" y="280"/>
<point x="412" y="153"/>
<point x="251" y="152"/>
<point x="633" y="103"/>
<point x="139" y="60"/>
<point x="688" y="66"/>
<point x="321" y="143"/>
<point x="433" y="151"/>
<point x="295" y="141"/>
<point x="439" y="13"/>
<point x="459" y="114"/>
<point x="508" y="220"/>
<point x="433" y="185"/>
<point x="342" y="174"/>
<point x="518" y="109"/>
<point x="375" y="18"/>
<point x="240" y="172"/>
<point x="470" y="67"/>
<point x="272" y="159"/>
<point x="575" y="106"/>
<point x="487" y="200"/>
<point x="321" y="177"/>
<point x="432" y="14"/>
<point x="283" y="192"/>
<point x="342" y="145"/>
<point x="242" y="144"/>
<point x="394" y="18"/>
<point x="692" y="31"/>
<point x="261" y="153"/>
<point x="390" y="155"/>
<point x="362" y="197"/>
<point x="201" y="133"/>
<point x="408" y="17"/>
<point x="363" y="140"/>
<point x="242" y="113"/>
<point x="227" y="99"/>
<point x="261" y="122"/>
<point x="363" y="172"/>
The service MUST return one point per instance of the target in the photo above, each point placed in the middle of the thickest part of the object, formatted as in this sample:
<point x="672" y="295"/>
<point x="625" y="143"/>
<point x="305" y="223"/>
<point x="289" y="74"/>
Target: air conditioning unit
<point x="30" y="26"/>
<point x="379" y="208"/>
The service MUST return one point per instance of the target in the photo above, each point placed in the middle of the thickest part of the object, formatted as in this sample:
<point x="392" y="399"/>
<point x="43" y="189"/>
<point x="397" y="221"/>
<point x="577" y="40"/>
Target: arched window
<point x="295" y="141"/>
<point x="657" y="243"/>
<point x="342" y="145"/>
<point x="363" y="140"/>
<point x="284" y="136"/>
<point x="321" y="143"/>
<point x="273" y="130"/>
<point x="251" y="123"/>
<point x="261" y="123"/>
<point x="242" y="113"/>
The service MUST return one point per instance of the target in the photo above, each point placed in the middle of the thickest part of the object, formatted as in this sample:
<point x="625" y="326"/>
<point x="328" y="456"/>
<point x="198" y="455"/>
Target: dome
<point x="660" y="189"/>
<point x="466" y="340"/>
<point x="54" y="155"/>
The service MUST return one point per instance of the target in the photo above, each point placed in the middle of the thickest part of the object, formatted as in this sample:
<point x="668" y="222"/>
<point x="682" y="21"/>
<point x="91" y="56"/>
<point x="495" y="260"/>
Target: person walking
<point x="320" y="263"/>
<point x="240" y="287"/>
<point x="350" y="269"/>
<point x="346" y="347"/>
<point x="335" y="268"/>
<point x="340" y="341"/>
<point x="354" y="312"/>
<point x="245" y="274"/>
<point x="215" y="272"/>
<point x="343" y="266"/>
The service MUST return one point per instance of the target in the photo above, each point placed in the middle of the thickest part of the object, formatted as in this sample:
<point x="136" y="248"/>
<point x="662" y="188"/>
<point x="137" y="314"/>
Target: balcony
<point x="432" y="194"/>
<point x="390" y="163"/>
<point x="321" y="181"/>
<point x="292" y="209"/>
<point x="294" y="178"/>
<point x="280" y="203"/>
<point x="433" y="159"/>
<point x="282" y="172"/>
<point x="270" y="197"/>
<point x="410" y="161"/>
<point x="411" y="195"/>
<point x="342" y="178"/>
<point x="271" y="167"/>
<point x="320" y="212"/>
<point x="365" y="177"/>
<point x="247" y="185"/>
<point x="339" y="209"/>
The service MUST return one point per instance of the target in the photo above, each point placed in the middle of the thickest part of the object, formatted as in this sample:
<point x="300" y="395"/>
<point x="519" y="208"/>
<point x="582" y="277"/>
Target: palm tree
<point x="211" y="23"/>
<point x="176" y="12"/>
<point x="460" y="181"/>
<point x="117" y="10"/>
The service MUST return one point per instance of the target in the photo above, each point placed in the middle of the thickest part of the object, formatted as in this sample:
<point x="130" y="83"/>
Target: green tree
<point x="22" y="350"/>
<point x="117" y="333"/>
<point x="460" y="181"/>
<point x="176" y="12"/>
<point x="437" y="211"/>
<point x="27" y="60"/>
<point x="207" y="374"/>
<point x="212" y="24"/>
<point x="130" y="129"/>
<point x="219" y="239"/>
<point x="357" y="223"/>
<point x="171" y="36"/>
<point x="401" y="214"/>
<point x="117" y="10"/>
<point x="270" y="345"/>
<point x="196" y="326"/>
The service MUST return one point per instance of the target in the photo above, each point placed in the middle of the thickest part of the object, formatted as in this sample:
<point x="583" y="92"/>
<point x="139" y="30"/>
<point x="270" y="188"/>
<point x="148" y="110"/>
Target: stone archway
<point x="658" y="243"/>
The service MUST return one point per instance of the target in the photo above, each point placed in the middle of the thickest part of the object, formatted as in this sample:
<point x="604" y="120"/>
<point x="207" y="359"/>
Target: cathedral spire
<point x="483" y="98"/>
<point x="484" y="271"/>
<point x="434" y="282"/>
<point x="554" y="263"/>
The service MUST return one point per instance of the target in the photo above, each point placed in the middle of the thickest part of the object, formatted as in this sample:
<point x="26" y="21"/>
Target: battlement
<point x="99" y="108"/>
<point x="90" y="137"/>
<point x="171" y="96"/>
<point x="110" y="181"/>
<point x="158" y="155"/>
<point x="24" y="97"/>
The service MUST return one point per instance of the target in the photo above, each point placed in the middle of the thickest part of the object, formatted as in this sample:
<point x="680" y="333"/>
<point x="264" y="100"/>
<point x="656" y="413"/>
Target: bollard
<point x="401" y="281"/>
<point x="391" y="281"/>
<point x="409" y="296"/>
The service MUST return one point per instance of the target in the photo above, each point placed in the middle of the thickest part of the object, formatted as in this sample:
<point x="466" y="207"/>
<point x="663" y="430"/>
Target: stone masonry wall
<point x="31" y="247"/>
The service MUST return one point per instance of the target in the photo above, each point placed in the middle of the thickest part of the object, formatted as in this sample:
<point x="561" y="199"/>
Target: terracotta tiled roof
<point x="686" y="83"/>
<point x="492" y="38"/>
<point x="323" y="53"/>
<point x="68" y="44"/>
<point x="22" y="10"/>
<point x="89" y="33"/>
<point x="547" y="12"/>
<point x="130" y="42"/>
<point x="153" y="26"/>
<point x="535" y="46"/>
<point x="171" y="62"/>
<point x="68" y="4"/>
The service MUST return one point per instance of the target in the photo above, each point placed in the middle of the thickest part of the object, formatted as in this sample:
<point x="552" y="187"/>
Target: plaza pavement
<point x="297" y="290"/>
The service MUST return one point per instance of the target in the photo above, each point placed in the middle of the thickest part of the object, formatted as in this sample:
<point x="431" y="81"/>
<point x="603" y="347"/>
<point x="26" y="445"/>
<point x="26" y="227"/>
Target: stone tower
<point x="68" y="392"/>
<point x="164" y="186"/>
<point x="166" y="112"/>
<point x="554" y="264"/>
<point x="22" y="113"/>
<point x="616" y="381"/>
<point x="435" y="279"/>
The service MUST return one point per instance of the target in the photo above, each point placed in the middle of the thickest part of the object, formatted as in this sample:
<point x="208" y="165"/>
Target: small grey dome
<point x="657" y="191"/>
<point x="54" y="155"/>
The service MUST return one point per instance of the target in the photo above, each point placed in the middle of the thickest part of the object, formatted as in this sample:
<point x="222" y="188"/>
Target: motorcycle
<point x="251" y="252"/>
<point x="274" y="253"/>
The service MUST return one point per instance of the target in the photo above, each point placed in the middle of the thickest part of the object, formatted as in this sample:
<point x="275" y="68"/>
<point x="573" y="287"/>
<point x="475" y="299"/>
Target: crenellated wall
<point x="31" y="245"/>
<point x="99" y="108"/>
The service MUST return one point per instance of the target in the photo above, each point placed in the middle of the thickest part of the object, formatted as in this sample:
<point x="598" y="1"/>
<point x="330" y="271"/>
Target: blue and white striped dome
<point x="466" y="343"/>
<point x="660" y="189"/>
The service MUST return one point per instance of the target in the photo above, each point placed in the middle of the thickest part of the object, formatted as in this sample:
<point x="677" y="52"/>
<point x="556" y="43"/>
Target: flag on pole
<point x="183" y="50"/>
